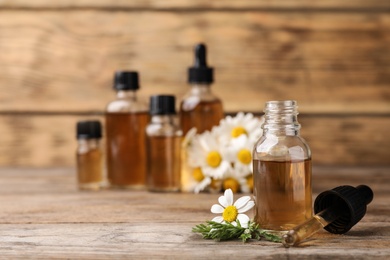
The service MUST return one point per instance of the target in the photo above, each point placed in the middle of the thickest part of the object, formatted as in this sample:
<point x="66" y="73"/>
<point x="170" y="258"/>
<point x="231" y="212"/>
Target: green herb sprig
<point x="227" y="231"/>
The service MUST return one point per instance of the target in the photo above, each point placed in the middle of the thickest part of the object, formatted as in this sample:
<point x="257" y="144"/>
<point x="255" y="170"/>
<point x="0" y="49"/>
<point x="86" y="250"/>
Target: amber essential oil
<point x="283" y="193"/>
<point x="164" y="166"/>
<point x="126" y="151"/>
<point x="204" y="115"/>
<point x="89" y="169"/>
<point x="89" y="155"/>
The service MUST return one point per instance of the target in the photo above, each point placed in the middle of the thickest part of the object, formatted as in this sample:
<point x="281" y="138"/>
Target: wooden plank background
<point x="57" y="60"/>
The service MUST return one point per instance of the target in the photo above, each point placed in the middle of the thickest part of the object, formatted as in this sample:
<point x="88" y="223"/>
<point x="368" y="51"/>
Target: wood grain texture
<point x="44" y="216"/>
<point x="58" y="57"/>
<point x="64" y="61"/>
<point x="178" y="4"/>
<point x="49" y="141"/>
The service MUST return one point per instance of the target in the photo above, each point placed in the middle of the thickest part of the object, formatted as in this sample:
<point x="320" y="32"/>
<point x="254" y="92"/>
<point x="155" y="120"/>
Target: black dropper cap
<point x="200" y="73"/>
<point x="162" y="105"/>
<point x="126" y="80"/>
<point x="350" y="203"/>
<point x="88" y="130"/>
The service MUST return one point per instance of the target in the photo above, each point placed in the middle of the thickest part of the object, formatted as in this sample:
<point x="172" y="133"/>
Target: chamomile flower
<point x="235" y="181"/>
<point x="240" y="154"/>
<point x="242" y="124"/>
<point x="232" y="212"/>
<point x="207" y="154"/>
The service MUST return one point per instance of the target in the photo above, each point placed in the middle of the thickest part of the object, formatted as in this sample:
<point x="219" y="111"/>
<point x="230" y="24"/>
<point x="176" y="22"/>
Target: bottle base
<point x="90" y="186"/>
<point x="127" y="187"/>
<point x="164" y="189"/>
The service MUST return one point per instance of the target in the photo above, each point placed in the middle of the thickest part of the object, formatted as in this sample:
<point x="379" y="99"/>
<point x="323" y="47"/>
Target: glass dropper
<point x="310" y="227"/>
<point x="337" y="210"/>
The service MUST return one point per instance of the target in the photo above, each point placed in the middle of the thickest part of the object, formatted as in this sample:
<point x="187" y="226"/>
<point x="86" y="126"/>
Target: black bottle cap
<point x="162" y="105"/>
<point x="200" y="73"/>
<point x="89" y="129"/>
<point x="351" y="204"/>
<point x="126" y="80"/>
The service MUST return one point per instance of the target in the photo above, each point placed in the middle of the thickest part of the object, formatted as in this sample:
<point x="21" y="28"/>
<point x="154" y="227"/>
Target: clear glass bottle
<point x="126" y="119"/>
<point x="200" y="108"/>
<point x="163" y="145"/>
<point x="89" y="155"/>
<point x="282" y="170"/>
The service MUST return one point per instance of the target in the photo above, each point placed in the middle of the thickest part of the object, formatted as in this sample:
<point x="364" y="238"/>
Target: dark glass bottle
<point x="89" y="155"/>
<point x="163" y="145"/>
<point x="126" y="120"/>
<point x="200" y="108"/>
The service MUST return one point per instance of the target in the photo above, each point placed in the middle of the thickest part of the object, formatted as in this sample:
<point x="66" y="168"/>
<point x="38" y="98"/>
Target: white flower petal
<point x="229" y="196"/>
<point x="222" y="200"/>
<point x="234" y="223"/>
<point x="247" y="207"/>
<point x="202" y="185"/>
<point x="241" y="202"/>
<point x="218" y="219"/>
<point x="217" y="209"/>
<point x="244" y="219"/>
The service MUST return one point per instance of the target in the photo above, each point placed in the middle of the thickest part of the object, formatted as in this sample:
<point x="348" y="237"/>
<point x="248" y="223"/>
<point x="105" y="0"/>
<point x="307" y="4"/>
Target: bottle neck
<point x="281" y="118"/>
<point x="200" y="88"/>
<point x="87" y="144"/>
<point x="127" y="94"/>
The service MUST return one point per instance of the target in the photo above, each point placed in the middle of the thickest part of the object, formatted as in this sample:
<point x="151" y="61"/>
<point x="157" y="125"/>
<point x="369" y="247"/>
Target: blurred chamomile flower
<point x="207" y="154"/>
<point x="242" y="124"/>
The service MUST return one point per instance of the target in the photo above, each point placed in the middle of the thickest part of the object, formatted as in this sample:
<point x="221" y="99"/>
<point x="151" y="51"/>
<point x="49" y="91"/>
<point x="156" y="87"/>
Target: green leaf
<point x="227" y="231"/>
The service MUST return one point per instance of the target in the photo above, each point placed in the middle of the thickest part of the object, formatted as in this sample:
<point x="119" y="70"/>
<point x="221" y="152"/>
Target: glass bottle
<point x="200" y="108"/>
<point x="89" y="155"/>
<point x="282" y="170"/>
<point x="126" y="120"/>
<point x="163" y="145"/>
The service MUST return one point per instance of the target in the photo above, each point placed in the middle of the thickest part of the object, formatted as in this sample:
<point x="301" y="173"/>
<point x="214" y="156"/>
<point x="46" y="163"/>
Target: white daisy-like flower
<point x="240" y="154"/>
<point x="232" y="212"/>
<point x="242" y="124"/>
<point x="236" y="181"/>
<point x="207" y="154"/>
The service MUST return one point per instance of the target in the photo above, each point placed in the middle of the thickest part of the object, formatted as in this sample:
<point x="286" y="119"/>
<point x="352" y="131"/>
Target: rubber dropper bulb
<point x="200" y="56"/>
<point x="200" y="73"/>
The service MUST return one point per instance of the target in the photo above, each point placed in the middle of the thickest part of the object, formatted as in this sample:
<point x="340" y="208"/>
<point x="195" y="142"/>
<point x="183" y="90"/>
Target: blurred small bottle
<point x="126" y="120"/>
<point x="89" y="155"/>
<point x="163" y="145"/>
<point x="200" y="108"/>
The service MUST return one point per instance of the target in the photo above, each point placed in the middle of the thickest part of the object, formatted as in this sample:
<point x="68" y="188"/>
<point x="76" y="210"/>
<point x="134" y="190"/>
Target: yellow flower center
<point x="214" y="159"/>
<point x="198" y="174"/>
<point x="249" y="182"/>
<point x="230" y="213"/>
<point x="244" y="156"/>
<point x="237" y="131"/>
<point x="231" y="183"/>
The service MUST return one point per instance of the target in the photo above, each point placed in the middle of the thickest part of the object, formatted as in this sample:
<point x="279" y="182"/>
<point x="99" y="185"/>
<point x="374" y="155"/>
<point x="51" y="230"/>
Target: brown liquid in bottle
<point x="89" y="170"/>
<point x="203" y="116"/>
<point x="164" y="163"/>
<point x="283" y="193"/>
<point x="126" y="150"/>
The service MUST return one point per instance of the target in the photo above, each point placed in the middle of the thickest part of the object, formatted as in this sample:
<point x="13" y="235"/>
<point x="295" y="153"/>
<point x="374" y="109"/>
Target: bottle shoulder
<point x="190" y="101"/>
<point x="163" y="129"/>
<point x="125" y="105"/>
<point x="281" y="148"/>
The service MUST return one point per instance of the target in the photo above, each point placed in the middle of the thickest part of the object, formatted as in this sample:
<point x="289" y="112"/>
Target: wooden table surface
<point x="43" y="215"/>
